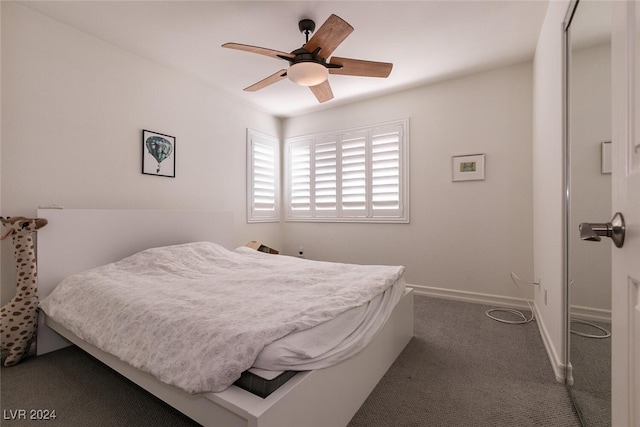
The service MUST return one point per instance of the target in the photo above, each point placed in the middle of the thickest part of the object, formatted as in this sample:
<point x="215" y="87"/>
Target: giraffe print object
<point x="19" y="317"/>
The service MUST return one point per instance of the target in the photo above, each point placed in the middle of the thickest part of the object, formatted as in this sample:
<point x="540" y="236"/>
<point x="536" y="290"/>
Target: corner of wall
<point x="548" y="185"/>
<point x="557" y="359"/>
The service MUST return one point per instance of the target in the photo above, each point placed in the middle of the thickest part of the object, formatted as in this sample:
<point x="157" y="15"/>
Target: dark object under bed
<point x="260" y="386"/>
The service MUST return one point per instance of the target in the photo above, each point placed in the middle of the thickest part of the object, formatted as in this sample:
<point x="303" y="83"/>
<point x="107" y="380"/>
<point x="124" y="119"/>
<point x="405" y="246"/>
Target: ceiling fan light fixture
<point x="307" y="73"/>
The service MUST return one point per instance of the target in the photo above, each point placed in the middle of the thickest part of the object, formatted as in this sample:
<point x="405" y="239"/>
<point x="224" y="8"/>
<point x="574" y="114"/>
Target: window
<point x="353" y="175"/>
<point x="263" y="195"/>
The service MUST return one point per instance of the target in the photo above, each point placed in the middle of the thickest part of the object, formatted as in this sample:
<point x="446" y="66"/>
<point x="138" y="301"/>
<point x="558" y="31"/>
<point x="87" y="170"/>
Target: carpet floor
<point x="591" y="362"/>
<point x="460" y="369"/>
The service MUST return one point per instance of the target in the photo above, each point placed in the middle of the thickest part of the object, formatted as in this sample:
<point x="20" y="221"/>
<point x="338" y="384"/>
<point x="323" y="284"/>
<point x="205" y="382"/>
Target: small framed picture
<point x="158" y="154"/>
<point x="605" y="166"/>
<point x="468" y="168"/>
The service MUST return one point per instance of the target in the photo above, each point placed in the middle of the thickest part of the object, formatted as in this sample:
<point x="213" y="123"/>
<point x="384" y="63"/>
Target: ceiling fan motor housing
<point x="303" y="55"/>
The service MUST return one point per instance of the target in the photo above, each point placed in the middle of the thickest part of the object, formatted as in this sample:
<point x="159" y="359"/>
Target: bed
<point x="77" y="240"/>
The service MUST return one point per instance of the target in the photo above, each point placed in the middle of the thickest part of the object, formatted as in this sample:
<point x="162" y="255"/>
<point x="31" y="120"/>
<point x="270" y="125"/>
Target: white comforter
<point x="197" y="315"/>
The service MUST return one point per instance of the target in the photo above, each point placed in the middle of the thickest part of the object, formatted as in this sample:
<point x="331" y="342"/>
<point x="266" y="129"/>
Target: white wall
<point x="590" y="123"/>
<point x="74" y="108"/>
<point x="463" y="236"/>
<point x="548" y="183"/>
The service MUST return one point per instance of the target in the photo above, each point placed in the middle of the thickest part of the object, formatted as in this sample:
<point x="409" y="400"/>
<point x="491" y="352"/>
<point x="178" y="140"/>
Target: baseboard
<point x="569" y="380"/>
<point x="475" y="297"/>
<point x="558" y="365"/>
<point x="593" y="314"/>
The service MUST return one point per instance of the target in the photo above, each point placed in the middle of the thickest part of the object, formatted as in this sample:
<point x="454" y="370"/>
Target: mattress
<point x="180" y="313"/>
<point x="329" y="343"/>
<point x="333" y="341"/>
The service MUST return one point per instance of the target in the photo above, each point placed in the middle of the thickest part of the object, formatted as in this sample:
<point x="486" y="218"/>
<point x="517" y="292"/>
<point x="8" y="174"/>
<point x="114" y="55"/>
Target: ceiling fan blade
<point x="322" y="91"/>
<point x="259" y="50"/>
<point x="359" y="67"/>
<point x="273" y="78"/>
<point x="329" y="36"/>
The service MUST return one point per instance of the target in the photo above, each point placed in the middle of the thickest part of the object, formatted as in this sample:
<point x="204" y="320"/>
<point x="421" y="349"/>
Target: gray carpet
<point x="465" y="369"/>
<point x="591" y="362"/>
<point x="460" y="369"/>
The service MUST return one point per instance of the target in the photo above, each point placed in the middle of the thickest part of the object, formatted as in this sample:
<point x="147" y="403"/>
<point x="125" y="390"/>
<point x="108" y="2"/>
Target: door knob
<point x="614" y="229"/>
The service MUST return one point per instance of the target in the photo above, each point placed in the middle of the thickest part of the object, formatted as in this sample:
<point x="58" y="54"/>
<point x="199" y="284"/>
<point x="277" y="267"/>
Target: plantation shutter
<point x="325" y="177"/>
<point x="385" y="171"/>
<point x="262" y="178"/>
<point x="300" y="179"/>
<point x="355" y="175"/>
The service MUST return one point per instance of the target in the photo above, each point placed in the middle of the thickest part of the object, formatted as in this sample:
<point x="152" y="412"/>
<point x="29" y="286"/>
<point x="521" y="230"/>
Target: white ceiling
<point x="425" y="40"/>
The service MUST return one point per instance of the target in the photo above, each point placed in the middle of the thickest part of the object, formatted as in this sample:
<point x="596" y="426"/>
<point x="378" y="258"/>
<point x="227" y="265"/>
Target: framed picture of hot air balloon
<point x="158" y="154"/>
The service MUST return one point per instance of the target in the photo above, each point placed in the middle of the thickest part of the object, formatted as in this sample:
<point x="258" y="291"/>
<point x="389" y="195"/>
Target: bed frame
<point x="75" y="240"/>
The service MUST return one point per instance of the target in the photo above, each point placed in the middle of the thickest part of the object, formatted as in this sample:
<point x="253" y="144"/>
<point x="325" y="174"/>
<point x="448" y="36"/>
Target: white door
<point x="626" y="199"/>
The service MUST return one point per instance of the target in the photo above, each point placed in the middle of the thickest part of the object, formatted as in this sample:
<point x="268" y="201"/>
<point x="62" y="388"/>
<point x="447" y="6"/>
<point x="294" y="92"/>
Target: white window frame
<point x="263" y="154"/>
<point x="307" y="200"/>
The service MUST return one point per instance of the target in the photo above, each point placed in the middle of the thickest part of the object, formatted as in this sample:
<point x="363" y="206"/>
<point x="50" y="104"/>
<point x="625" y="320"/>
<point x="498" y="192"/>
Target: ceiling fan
<point x="310" y="65"/>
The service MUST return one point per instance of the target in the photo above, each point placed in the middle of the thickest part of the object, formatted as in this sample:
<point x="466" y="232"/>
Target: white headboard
<point x="75" y="240"/>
